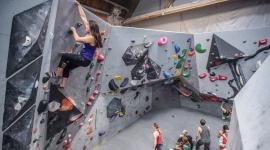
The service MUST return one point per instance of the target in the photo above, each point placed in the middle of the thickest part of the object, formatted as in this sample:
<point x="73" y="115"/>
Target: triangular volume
<point x="18" y="136"/>
<point x="153" y="71"/>
<point x="214" y="56"/>
<point x="27" y="36"/>
<point x="21" y="91"/>
<point x="62" y="112"/>
<point x="226" y="50"/>
<point x="221" y="52"/>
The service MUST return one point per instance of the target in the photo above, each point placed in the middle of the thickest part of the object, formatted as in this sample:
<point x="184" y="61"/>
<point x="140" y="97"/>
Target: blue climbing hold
<point x="177" y="48"/>
<point x="166" y="74"/>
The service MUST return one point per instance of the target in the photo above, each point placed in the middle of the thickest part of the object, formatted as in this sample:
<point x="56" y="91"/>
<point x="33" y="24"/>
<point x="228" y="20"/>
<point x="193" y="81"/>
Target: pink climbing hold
<point x="89" y="103"/>
<point x="100" y="58"/>
<point x="262" y="42"/>
<point x="95" y="93"/>
<point x="91" y="98"/>
<point x="202" y="75"/>
<point x="98" y="72"/>
<point x="162" y="41"/>
<point x="186" y="65"/>
<point x="81" y="124"/>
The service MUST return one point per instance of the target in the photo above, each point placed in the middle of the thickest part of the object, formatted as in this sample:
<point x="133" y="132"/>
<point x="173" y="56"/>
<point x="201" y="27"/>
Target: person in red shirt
<point x="157" y="137"/>
<point x="223" y="135"/>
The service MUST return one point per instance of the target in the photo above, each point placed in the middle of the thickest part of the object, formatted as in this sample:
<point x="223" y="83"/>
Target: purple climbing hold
<point x="124" y="82"/>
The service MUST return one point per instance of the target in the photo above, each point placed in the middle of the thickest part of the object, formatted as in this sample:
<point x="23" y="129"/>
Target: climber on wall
<point x="226" y="112"/>
<point x="91" y="41"/>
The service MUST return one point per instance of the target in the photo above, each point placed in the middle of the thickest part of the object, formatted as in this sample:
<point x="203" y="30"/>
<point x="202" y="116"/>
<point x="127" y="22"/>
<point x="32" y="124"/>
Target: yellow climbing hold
<point x="174" y="57"/>
<point x="117" y="77"/>
<point x="177" y="73"/>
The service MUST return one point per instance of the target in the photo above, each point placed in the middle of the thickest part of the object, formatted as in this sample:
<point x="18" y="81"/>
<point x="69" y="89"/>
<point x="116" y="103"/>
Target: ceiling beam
<point x="117" y="5"/>
<point x="173" y="10"/>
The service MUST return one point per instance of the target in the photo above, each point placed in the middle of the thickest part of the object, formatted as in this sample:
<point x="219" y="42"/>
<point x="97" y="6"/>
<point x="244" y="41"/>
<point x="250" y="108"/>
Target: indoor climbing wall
<point x="235" y="56"/>
<point x="126" y="90"/>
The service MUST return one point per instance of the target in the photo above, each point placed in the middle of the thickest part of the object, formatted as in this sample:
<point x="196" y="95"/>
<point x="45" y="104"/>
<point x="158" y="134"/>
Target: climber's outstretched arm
<point x="83" y="17"/>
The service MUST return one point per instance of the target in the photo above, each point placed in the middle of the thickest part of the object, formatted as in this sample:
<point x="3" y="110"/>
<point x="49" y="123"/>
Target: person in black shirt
<point x="185" y="133"/>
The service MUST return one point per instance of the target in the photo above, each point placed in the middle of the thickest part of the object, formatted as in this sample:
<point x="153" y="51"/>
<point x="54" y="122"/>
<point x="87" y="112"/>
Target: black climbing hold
<point x="101" y="133"/>
<point x="42" y="121"/>
<point x="78" y="25"/>
<point x="147" y="98"/>
<point x="112" y="85"/>
<point x="124" y="82"/>
<point x="244" y="41"/>
<point x="132" y="41"/>
<point x="123" y="91"/>
<point x="115" y="107"/>
<point x="207" y="40"/>
<point x="212" y="73"/>
<point x="136" y="112"/>
<point x="148" y="107"/>
<point x="42" y="106"/>
<point x="137" y="94"/>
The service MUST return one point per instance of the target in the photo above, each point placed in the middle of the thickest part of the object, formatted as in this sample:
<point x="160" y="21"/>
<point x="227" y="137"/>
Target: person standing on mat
<point x="157" y="137"/>
<point x="69" y="61"/>
<point x="203" y="136"/>
<point x="223" y="136"/>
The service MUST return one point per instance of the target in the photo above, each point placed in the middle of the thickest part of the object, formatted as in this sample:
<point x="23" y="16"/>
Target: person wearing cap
<point x="185" y="134"/>
<point x="203" y="135"/>
<point x="223" y="135"/>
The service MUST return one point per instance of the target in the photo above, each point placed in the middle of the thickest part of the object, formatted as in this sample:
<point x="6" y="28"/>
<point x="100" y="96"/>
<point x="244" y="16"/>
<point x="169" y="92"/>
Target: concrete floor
<point x="138" y="136"/>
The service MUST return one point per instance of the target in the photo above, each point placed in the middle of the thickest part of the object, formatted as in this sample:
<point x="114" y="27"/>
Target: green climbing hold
<point x="88" y="75"/>
<point x="183" y="54"/>
<point x="91" y="65"/>
<point x="199" y="49"/>
<point x="186" y="73"/>
<point x="180" y="63"/>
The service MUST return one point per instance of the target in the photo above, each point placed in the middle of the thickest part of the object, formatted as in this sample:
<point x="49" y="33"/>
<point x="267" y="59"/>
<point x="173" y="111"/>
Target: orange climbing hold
<point x="90" y="131"/>
<point x="66" y="105"/>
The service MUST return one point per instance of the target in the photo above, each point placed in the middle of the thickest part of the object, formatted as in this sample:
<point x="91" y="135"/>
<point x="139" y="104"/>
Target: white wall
<point x="228" y="16"/>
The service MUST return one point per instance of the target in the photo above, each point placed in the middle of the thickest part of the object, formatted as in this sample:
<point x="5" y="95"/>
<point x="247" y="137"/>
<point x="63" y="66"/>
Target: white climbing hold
<point x="36" y="84"/>
<point x="18" y="107"/>
<point x="53" y="106"/>
<point x="28" y="41"/>
<point x="133" y="82"/>
<point x="21" y="99"/>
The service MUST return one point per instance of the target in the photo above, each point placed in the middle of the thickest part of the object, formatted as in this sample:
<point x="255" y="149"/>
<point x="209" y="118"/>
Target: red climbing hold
<point x="191" y="53"/>
<point x="213" y="78"/>
<point x="220" y="77"/>
<point x="100" y="58"/>
<point x="262" y="42"/>
<point x="75" y="117"/>
<point x="202" y="75"/>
